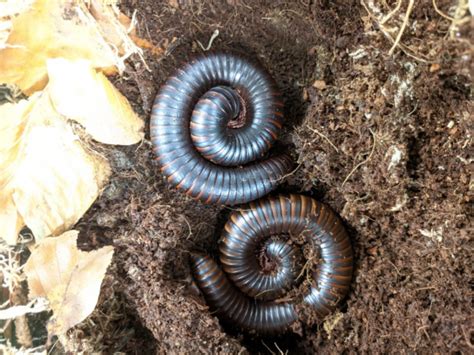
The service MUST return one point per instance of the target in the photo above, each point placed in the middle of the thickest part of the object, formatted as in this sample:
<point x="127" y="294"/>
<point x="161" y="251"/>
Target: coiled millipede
<point x="210" y="120"/>
<point x="244" y="293"/>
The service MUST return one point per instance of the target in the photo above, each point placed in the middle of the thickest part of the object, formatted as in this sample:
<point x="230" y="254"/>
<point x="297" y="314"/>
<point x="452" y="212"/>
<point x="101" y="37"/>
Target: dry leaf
<point x="13" y="121"/>
<point x="48" y="178"/>
<point x="69" y="278"/>
<point x="5" y="29"/>
<point x="145" y="44"/>
<point x="10" y="220"/>
<point x="61" y="28"/>
<point x="37" y="305"/>
<point x="82" y="94"/>
<point x="114" y="26"/>
<point x="8" y="9"/>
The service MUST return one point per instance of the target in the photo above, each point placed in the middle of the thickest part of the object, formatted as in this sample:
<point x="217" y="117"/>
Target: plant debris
<point x="48" y="179"/>
<point x="62" y="29"/>
<point x="71" y="283"/>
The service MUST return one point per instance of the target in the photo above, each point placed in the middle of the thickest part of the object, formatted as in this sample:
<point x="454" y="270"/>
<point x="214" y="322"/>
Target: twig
<point x="281" y="352"/>
<point x="289" y="174"/>
<point x="407" y="50"/>
<point x="391" y="13"/>
<point x="363" y="162"/>
<point x="396" y="269"/>
<point x="190" y="230"/>
<point x="35" y="306"/>
<point x="404" y="25"/>
<point x="442" y="14"/>
<point x="270" y="350"/>
<point x="305" y="267"/>
<point x="459" y="16"/>
<point x="323" y="136"/>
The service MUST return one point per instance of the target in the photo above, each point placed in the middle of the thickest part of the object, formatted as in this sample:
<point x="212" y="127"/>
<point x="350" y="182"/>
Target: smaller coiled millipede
<point x="242" y="293"/>
<point x="210" y="120"/>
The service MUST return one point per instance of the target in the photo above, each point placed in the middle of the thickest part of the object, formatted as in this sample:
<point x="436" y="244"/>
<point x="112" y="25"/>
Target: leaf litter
<point x="50" y="174"/>
<point x="69" y="278"/>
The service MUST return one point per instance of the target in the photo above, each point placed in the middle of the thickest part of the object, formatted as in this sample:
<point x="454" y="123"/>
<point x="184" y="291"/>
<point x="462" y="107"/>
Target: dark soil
<point x="383" y="139"/>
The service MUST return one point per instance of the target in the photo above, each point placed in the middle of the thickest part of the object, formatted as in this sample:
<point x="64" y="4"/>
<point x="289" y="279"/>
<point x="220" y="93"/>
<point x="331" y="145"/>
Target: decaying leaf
<point x="66" y="29"/>
<point x="69" y="278"/>
<point x="5" y="29"/>
<point x="82" y="94"/>
<point x="8" y="9"/>
<point x="37" y="305"/>
<point x="115" y="27"/>
<point x="48" y="179"/>
<point x="13" y="121"/>
<point x="10" y="220"/>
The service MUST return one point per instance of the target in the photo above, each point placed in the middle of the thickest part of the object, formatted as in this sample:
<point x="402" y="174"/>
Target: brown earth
<point x="384" y="139"/>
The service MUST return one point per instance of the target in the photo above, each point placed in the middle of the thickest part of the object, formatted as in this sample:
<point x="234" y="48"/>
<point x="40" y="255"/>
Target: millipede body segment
<point x="243" y="292"/>
<point x="211" y="122"/>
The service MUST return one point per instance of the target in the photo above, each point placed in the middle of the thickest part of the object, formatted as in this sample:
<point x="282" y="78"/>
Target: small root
<point x="323" y="136"/>
<point x="404" y="25"/>
<point x="209" y="44"/>
<point x="363" y="162"/>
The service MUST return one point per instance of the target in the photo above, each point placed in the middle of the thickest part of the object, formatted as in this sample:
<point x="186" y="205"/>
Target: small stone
<point x="319" y="84"/>
<point x="173" y="3"/>
<point x="305" y="94"/>
<point x="372" y="251"/>
<point x="434" y="67"/>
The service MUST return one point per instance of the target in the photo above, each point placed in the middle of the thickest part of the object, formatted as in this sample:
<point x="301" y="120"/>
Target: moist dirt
<point x="383" y="139"/>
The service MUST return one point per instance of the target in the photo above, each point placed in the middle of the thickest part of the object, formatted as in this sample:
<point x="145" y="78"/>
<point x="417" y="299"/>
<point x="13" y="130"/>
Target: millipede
<point x="211" y="125"/>
<point x="246" y="293"/>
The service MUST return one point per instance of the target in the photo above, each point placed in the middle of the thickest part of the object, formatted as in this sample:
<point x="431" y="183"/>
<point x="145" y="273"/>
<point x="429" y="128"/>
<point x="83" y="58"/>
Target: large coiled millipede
<point x="244" y="293"/>
<point x="210" y="120"/>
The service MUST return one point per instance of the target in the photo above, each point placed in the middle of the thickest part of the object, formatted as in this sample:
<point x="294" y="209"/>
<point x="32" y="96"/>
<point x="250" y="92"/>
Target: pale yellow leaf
<point x="5" y="29"/>
<point x="13" y="122"/>
<point x="9" y="8"/>
<point x="82" y="94"/>
<point x="69" y="278"/>
<point x="51" y="29"/>
<point x="47" y="174"/>
<point x="56" y="180"/>
<point x="10" y="221"/>
<point x="114" y="26"/>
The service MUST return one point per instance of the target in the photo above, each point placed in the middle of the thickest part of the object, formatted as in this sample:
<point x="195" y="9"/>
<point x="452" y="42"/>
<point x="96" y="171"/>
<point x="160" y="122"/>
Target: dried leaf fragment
<point x="36" y="305"/>
<point x="8" y="9"/>
<point x="69" y="278"/>
<point x="13" y="122"/>
<point x="62" y="28"/>
<point x="47" y="178"/>
<point x="319" y="84"/>
<point x="10" y="220"/>
<point x="84" y="95"/>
